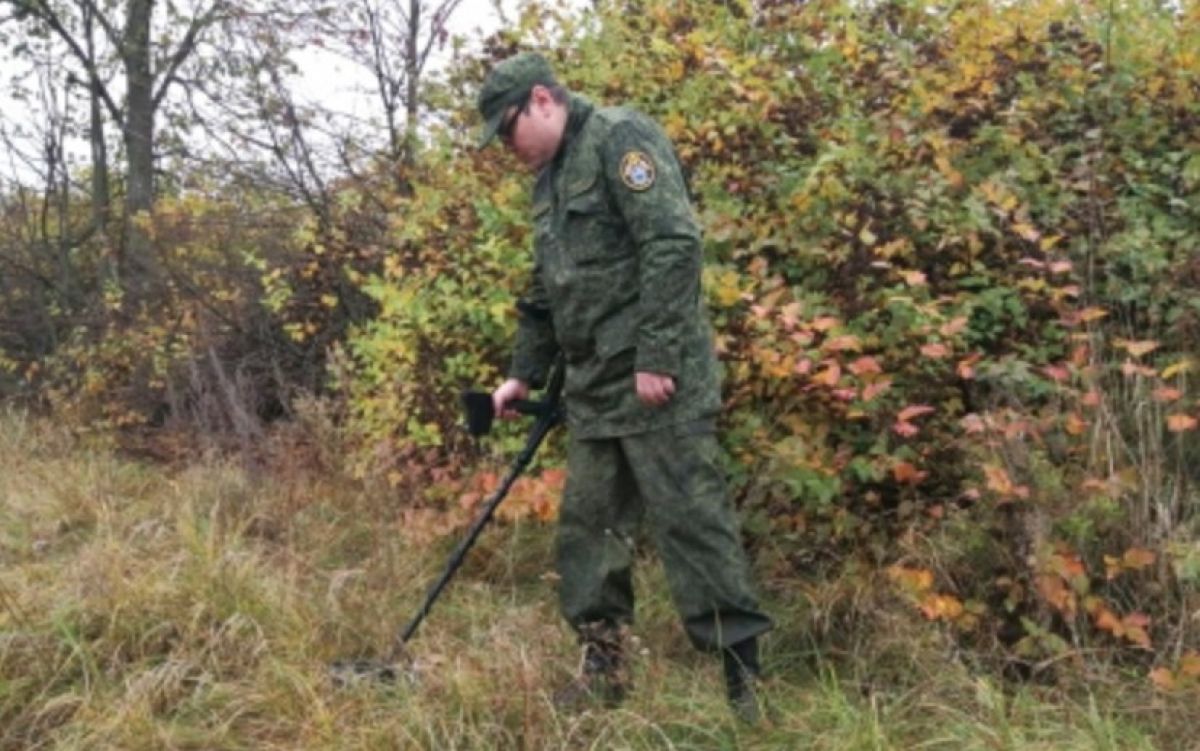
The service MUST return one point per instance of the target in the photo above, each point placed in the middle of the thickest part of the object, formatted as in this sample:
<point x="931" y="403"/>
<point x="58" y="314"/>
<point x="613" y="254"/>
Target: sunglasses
<point x="507" y="127"/>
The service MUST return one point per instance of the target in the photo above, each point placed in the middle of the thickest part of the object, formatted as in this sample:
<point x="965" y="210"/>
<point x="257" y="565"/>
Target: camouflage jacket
<point x="616" y="278"/>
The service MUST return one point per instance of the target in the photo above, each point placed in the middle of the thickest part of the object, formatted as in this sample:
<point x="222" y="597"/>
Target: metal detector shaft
<point x="537" y="434"/>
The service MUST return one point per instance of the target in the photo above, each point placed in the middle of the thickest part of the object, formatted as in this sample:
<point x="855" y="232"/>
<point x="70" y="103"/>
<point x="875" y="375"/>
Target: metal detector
<point x="480" y="415"/>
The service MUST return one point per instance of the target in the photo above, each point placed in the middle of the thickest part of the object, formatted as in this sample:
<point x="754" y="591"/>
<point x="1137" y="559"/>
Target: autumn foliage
<point x="951" y="253"/>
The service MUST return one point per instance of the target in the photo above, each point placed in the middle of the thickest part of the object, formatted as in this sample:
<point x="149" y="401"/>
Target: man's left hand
<point x="654" y="389"/>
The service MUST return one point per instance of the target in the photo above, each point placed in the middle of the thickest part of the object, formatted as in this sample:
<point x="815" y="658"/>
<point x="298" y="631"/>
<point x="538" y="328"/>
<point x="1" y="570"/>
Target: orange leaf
<point x="1181" y="423"/>
<point x="966" y="367"/>
<point x="916" y="580"/>
<point x="1163" y="679"/>
<point x="1091" y="399"/>
<point x="1138" y="558"/>
<point x="998" y="480"/>
<point x="1189" y="665"/>
<point x="842" y="344"/>
<point x="1092" y="314"/>
<point x="935" y="351"/>
<point x="824" y="323"/>
<point x="875" y="389"/>
<point x="913" y="411"/>
<point x="954" y="326"/>
<point x="914" y="278"/>
<point x="1055" y="592"/>
<point x="865" y="365"/>
<point x="907" y="474"/>
<point x="1075" y="425"/>
<point x="941" y="607"/>
<point x="829" y="376"/>
<point x="1167" y="394"/>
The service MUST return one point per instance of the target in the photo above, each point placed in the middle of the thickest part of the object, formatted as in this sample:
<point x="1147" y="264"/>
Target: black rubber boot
<point x="742" y="673"/>
<point x="602" y="676"/>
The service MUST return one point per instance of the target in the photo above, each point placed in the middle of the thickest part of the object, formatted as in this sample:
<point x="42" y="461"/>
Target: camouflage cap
<point x="506" y="85"/>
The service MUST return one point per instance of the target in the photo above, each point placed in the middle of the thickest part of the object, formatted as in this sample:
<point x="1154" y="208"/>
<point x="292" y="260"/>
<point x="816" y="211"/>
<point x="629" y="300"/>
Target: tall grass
<point x="144" y="607"/>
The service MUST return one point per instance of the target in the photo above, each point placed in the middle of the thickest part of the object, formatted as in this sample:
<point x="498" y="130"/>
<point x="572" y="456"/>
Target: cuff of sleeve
<point x="657" y="361"/>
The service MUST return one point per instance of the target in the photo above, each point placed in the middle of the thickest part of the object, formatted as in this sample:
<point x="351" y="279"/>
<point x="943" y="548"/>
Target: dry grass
<point x="198" y="608"/>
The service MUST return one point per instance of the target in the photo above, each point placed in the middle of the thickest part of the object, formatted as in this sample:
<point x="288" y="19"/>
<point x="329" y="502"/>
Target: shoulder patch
<point x="637" y="170"/>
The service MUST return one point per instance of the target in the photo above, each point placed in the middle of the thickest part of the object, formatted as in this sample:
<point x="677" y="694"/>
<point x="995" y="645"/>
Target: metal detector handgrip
<point x="549" y="413"/>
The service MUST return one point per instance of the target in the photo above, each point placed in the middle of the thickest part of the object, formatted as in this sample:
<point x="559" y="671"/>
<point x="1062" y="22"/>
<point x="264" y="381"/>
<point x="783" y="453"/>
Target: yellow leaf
<point x="1027" y="232"/>
<point x="1137" y="349"/>
<point x="1183" y="366"/>
<point x="867" y="237"/>
<point x="1092" y="314"/>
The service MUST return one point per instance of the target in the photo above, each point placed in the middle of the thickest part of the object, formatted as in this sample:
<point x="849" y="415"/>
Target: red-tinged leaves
<point x="865" y="366"/>
<point x="1180" y="423"/>
<point x="1001" y="484"/>
<point x="1163" y="679"/>
<point x="1056" y="593"/>
<point x="845" y="343"/>
<point x="935" y="351"/>
<point x="875" y="389"/>
<point x="829" y="376"/>
<point x="914" y="411"/>
<point x="906" y="474"/>
<point x="915" y="581"/>
<point x="953" y="327"/>
<point x="1075" y="425"/>
<point x="1091" y="399"/>
<point x="1136" y="559"/>
<point x="1166" y="394"/>
<point x="1130" y="369"/>
<point x="1057" y="373"/>
<point x="966" y="366"/>
<point x="937" y="607"/>
<point x="905" y="429"/>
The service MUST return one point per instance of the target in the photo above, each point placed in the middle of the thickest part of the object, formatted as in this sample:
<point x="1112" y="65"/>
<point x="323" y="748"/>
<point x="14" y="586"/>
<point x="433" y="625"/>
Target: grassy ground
<point x="198" y="607"/>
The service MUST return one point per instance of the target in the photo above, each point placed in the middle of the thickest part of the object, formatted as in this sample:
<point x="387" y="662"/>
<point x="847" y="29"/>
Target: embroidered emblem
<point x="637" y="170"/>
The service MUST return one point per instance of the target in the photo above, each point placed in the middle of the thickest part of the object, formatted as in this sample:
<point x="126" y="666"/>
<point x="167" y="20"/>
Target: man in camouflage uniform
<point x="616" y="289"/>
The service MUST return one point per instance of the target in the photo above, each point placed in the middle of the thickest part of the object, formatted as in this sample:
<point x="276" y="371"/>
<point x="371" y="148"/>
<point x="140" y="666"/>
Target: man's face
<point x="533" y="129"/>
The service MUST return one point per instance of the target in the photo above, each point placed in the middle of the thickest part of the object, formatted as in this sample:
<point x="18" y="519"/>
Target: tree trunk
<point x="139" y="147"/>
<point x="101" y="196"/>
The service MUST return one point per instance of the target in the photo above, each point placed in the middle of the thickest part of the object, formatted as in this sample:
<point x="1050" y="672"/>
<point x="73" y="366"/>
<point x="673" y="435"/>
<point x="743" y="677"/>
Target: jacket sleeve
<point x="645" y="179"/>
<point x="535" y="346"/>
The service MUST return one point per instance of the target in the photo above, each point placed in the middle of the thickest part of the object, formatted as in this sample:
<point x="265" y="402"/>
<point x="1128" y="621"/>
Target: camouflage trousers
<point x="672" y="479"/>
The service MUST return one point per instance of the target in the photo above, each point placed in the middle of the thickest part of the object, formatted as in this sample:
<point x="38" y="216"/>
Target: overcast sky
<point x="326" y="78"/>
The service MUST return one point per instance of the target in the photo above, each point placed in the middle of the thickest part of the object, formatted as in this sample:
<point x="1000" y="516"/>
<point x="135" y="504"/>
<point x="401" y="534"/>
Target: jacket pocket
<point x="592" y="230"/>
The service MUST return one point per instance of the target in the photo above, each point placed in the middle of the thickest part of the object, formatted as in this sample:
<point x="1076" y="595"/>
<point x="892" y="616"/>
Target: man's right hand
<point x="509" y="391"/>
